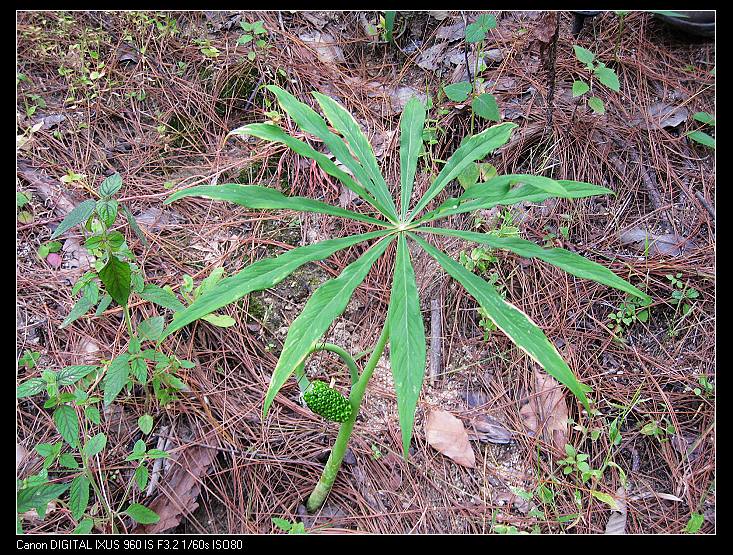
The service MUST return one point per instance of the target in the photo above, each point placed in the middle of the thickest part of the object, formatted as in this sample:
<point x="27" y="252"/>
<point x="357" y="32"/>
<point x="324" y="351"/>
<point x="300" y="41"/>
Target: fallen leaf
<point x="485" y="428"/>
<point x="546" y="412"/>
<point x="668" y="244"/>
<point x="661" y="115"/>
<point x="430" y="59"/>
<point x="324" y="45"/>
<point x="617" y="521"/>
<point x="446" y="434"/>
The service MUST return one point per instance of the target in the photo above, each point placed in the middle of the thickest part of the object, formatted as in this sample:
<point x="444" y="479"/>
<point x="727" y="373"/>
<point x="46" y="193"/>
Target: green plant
<point x="404" y="329"/>
<point x="289" y="527"/>
<point x="706" y="387"/>
<point x="578" y="462"/>
<point x="29" y="359"/>
<point x="658" y="429"/>
<point x="255" y="34"/>
<point x="598" y="71"/>
<point x="483" y="104"/>
<point x="74" y="392"/>
<point x="629" y="311"/>
<point x="700" y="136"/>
<point x="22" y="199"/>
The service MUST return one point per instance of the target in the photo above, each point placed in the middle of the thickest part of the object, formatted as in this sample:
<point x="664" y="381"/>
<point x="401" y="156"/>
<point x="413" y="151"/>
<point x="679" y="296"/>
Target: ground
<point x="152" y="95"/>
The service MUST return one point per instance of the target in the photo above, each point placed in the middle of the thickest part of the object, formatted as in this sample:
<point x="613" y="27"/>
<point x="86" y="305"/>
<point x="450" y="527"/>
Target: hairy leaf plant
<point x="403" y="329"/>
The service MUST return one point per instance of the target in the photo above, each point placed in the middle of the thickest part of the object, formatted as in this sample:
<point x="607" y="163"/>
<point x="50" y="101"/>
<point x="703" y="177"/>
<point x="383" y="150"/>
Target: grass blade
<point x="406" y="341"/>
<point x="260" y="275"/>
<point x="264" y="198"/>
<point x="472" y="149"/>
<point x="513" y="322"/>
<point x="411" y="128"/>
<point x="324" y="306"/>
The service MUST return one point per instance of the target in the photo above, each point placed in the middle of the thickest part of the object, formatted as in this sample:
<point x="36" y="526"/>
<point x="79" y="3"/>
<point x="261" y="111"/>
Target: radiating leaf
<point x="309" y="121"/>
<point x="412" y="122"/>
<point x="406" y="340"/>
<point x="512" y="321"/>
<point x="324" y="306"/>
<point x="472" y="149"/>
<point x="273" y="133"/>
<point x="80" y="214"/>
<point x="344" y="122"/>
<point x="254" y="196"/>
<point x="568" y="261"/>
<point x="261" y="275"/>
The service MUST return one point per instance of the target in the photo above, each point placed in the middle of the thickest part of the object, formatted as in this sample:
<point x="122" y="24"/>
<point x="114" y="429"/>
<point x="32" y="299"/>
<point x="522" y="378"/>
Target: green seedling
<point x="255" y="37"/>
<point x="627" y="313"/>
<point x="598" y="72"/>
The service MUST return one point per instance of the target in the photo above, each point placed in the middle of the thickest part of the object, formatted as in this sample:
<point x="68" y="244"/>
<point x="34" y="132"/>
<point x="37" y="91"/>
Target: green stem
<point x="323" y="488"/>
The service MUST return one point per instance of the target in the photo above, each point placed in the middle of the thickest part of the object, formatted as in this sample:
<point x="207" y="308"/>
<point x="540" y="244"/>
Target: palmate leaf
<point x="310" y="122"/>
<point x="473" y="148"/>
<point x="345" y="123"/>
<point x="406" y="340"/>
<point x="498" y="191"/>
<point x="264" y="198"/>
<point x="274" y="134"/>
<point x="261" y="275"/>
<point x="569" y="261"/>
<point x="512" y="321"/>
<point x="324" y="306"/>
<point x="411" y="128"/>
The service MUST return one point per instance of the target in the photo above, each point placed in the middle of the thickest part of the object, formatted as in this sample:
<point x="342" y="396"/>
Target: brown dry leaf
<point x="485" y="428"/>
<point x="546" y="412"/>
<point x="446" y="434"/>
<point x="179" y="488"/>
<point x="617" y="521"/>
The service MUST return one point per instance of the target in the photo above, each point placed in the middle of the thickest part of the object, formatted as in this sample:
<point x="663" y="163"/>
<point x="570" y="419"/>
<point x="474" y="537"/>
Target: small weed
<point x="289" y="527"/>
<point x="627" y="313"/>
<point x="255" y="35"/>
<point x="598" y="71"/>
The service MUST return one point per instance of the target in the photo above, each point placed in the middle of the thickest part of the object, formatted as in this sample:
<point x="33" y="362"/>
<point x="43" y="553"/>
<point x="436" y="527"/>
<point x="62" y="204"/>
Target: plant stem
<point x="323" y="488"/>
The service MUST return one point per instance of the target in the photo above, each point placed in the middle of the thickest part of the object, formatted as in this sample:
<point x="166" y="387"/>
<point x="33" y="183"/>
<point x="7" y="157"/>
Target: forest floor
<point x="152" y="95"/>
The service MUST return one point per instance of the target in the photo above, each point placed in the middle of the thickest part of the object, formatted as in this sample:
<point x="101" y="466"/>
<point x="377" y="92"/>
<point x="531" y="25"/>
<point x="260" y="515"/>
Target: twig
<point x="706" y="204"/>
<point x="163" y="442"/>
<point x="435" y="339"/>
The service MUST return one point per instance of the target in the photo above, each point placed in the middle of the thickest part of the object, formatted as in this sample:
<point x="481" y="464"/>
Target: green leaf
<point x="568" y="261"/>
<point x="596" y="104"/>
<point x="606" y="498"/>
<point x="309" y="121"/>
<point x="84" y="527"/>
<point x="512" y="321"/>
<point x="607" y="77"/>
<point x="702" y="138"/>
<point x="219" y="320"/>
<point x="261" y="275"/>
<point x="344" y="123"/>
<point x="30" y="387"/>
<point x="476" y="32"/>
<point x="141" y="476"/>
<point x="255" y="196"/>
<point x="406" y="340"/>
<point x="38" y="497"/>
<point x="583" y="55"/>
<point x="281" y="523"/>
<point x="116" y="278"/>
<point x="273" y="133"/>
<point x="161" y="297"/>
<point x="79" y="496"/>
<point x="92" y="413"/>
<point x="103" y="305"/>
<point x="469" y="176"/>
<point x="145" y="423"/>
<point x="412" y="122"/>
<point x="67" y="460"/>
<point x="151" y="329"/>
<point x="458" y="92"/>
<point x="694" y="523"/>
<point x="80" y="214"/>
<point x="116" y="378"/>
<point x="67" y="423"/>
<point x="580" y="88"/>
<point x="472" y="149"/>
<point x="72" y="374"/>
<point x="107" y="211"/>
<point x="485" y="106"/>
<point x="95" y="445"/>
<point x="141" y="514"/>
<point x="324" y="306"/>
<point x="704" y="117"/>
